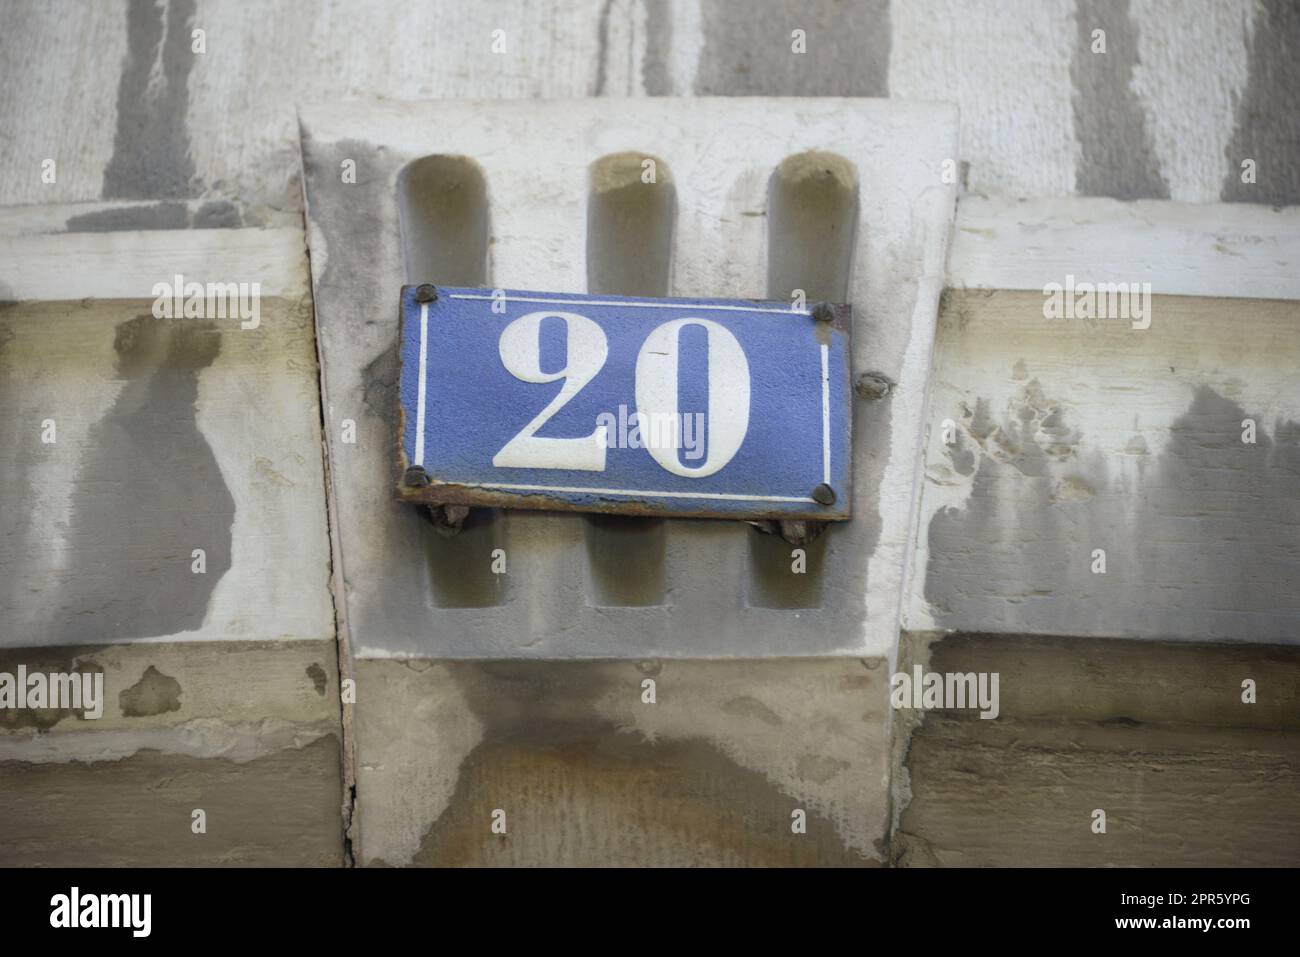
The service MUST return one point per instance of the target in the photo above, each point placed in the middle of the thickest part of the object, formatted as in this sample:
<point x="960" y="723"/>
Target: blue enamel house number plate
<point x="675" y="407"/>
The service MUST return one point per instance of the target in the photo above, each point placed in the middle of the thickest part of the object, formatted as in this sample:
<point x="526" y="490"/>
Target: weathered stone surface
<point x="1186" y="91"/>
<point x="1189" y="91"/>
<point x="1173" y="449"/>
<point x="1154" y="734"/>
<point x="246" y="731"/>
<point x="589" y="774"/>
<point x="137" y="443"/>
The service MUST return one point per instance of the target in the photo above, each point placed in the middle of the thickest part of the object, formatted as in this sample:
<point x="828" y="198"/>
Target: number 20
<point x="657" y="365"/>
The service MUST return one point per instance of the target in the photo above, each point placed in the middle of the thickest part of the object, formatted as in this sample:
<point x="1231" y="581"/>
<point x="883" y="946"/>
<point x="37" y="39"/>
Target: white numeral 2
<point x="657" y="366"/>
<point x="521" y="354"/>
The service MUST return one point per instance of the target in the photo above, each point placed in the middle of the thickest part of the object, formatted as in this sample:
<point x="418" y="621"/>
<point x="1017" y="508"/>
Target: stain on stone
<point x="218" y="214"/>
<point x="444" y="220"/>
<point x="1268" y="113"/>
<point x="318" y="678"/>
<point x="152" y="216"/>
<point x="1122" y="721"/>
<point x="673" y="798"/>
<point x="656" y="77"/>
<point x="1071" y="489"/>
<point x="1116" y="158"/>
<point x="750" y="707"/>
<point x="154" y="693"/>
<point x="773" y="582"/>
<point x="602" y="53"/>
<point x="278" y="810"/>
<point x="151" y="149"/>
<point x="148" y="492"/>
<point x="436" y="196"/>
<point x="266" y="468"/>
<point x="460" y="567"/>
<point x="748" y="48"/>
<point x="818" y="768"/>
<point x="172" y="214"/>
<point x="1154" y="727"/>
<point x="1243" y="565"/>
<point x="22" y="443"/>
<point x="46" y="661"/>
<point x="358" y="207"/>
<point x="1207" y="543"/>
<point x="379" y="382"/>
<point x="625" y="560"/>
<point x="1194" y="797"/>
<point x="963" y="459"/>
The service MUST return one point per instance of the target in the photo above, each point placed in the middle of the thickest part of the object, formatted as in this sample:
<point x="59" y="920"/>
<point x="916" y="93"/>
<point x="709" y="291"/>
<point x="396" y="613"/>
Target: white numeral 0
<point x="728" y="414"/>
<point x="657" y="366"/>
<point x="521" y="354"/>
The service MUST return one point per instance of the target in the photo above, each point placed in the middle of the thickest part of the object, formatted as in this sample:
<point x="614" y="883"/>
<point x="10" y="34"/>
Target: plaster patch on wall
<point x="49" y="67"/>
<point x="1267" y="127"/>
<point x="242" y="93"/>
<point x="272" y="467"/>
<point x="279" y="809"/>
<point x="414" y="727"/>
<point x="1189" y="75"/>
<point x="1116" y="158"/>
<point x="621" y="36"/>
<point x="1155" y="732"/>
<point x="236" y="700"/>
<point x="1009" y="73"/>
<point x="660" y="38"/>
<point x="35" y="473"/>
<point x="748" y="48"/>
<point x="687" y="46"/>
<point x="586" y="771"/>
<point x="782" y="729"/>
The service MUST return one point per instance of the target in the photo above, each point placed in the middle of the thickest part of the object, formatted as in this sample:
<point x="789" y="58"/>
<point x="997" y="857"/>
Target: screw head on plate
<point x="415" y="477"/>
<point x="426" y="292"/>
<point x="824" y="495"/>
<point x="872" y="385"/>
<point x="822" y="312"/>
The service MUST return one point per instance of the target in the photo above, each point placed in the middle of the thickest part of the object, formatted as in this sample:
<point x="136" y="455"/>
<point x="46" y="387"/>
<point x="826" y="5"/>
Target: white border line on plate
<point x="580" y="490"/>
<point x="640" y="305"/>
<point x="826" y="415"/>
<point x="419" y="402"/>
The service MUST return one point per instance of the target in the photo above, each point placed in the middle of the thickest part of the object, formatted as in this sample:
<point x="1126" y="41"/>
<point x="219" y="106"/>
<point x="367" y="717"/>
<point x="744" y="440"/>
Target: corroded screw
<point x="823" y="312"/>
<point x="426" y="292"/>
<point x="416" y="477"/>
<point x="824" y="495"/>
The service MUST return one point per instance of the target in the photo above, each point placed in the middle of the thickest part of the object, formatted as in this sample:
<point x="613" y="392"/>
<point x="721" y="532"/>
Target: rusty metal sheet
<point x="676" y="407"/>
